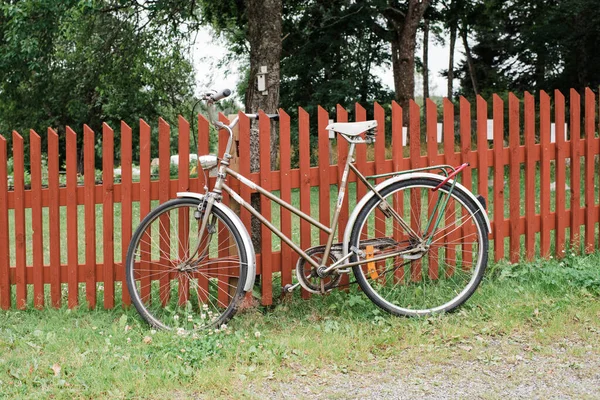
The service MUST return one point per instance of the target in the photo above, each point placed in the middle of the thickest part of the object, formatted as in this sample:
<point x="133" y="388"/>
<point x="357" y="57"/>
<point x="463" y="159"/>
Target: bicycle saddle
<point x="351" y="128"/>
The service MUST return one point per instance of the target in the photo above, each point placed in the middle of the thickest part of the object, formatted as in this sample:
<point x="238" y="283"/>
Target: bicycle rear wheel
<point x="437" y="277"/>
<point x="170" y="292"/>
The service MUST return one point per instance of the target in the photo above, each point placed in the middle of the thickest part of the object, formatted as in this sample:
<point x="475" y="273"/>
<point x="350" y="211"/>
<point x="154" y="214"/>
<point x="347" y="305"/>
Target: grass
<point x="112" y="354"/>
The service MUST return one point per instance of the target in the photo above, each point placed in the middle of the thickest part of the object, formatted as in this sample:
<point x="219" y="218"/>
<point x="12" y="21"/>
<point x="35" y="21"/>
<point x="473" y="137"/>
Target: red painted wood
<point x="89" y="179"/>
<point x="342" y="154"/>
<point x="398" y="164"/>
<point x="304" y="150"/>
<point x="545" y="173"/>
<point x="530" y="166"/>
<point x="380" y="222"/>
<point x="324" y="188"/>
<point x="361" y="155"/>
<point x="20" y="239"/>
<point x="144" y="198"/>
<point x="561" y="221"/>
<point x="467" y="156"/>
<point x="108" y="216"/>
<point x="576" y="151"/>
<point x="35" y="151"/>
<point x="244" y="146"/>
<point x="498" y="105"/>
<point x="126" y="200"/>
<point x="452" y="233"/>
<point x="286" y="195"/>
<point x="514" y="177"/>
<point x="265" y="209"/>
<point x="4" y="235"/>
<point x="432" y="155"/>
<point x="414" y="130"/>
<point x="164" y="173"/>
<point x="72" y="229"/>
<point x="223" y="236"/>
<point x="203" y="146"/>
<point x="591" y="149"/>
<point x="482" y="147"/>
<point x="183" y="214"/>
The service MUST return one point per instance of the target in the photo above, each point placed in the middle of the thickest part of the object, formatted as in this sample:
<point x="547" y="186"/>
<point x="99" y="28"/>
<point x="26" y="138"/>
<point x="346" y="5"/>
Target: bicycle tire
<point x="207" y="296"/>
<point x="412" y="290"/>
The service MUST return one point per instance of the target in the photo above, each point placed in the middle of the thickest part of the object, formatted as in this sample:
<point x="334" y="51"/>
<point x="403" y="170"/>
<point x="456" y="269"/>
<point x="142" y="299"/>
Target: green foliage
<point x="532" y="45"/>
<point x="571" y="271"/>
<point x="69" y="63"/>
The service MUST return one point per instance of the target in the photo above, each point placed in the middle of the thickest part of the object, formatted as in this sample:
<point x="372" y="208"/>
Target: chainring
<point x="307" y="274"/>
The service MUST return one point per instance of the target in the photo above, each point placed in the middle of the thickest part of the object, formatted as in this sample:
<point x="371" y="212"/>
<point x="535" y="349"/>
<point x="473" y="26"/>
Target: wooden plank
<point x="361" y="156"/>
<point x="324" y="188"/>
<point x="591" y="149"/>
<point x="342" y="155"/>
<point x="108" y="216"/>
<point x="304" y="150"/>
<point x="145" y="169"/>
<point x="561" y="221"/>
<point x="222" y="236"/>
<point x="286" y="195"/>
<point x="466" y="176"/>
<point x="4" y="229"/>
<point x="545" y="174"/>
<point x="245" y="191"/>
<point x="529" y="174"/>
<point x="89" y="179"/>
<point x="452" y="233"/>
<point x="414" y="130"/>
<point x="164" y="176"/>
<point x="35" y="162"/>
<point x="266" y="247"/>
<point x="380" y="221"/>
<point x="20" y="240"/>
<point x="574" y="129"/>
<point x="72" y="229"/>
<point x="432" y="155"/>
<point x="126" y="202"/>
<point x="398" y="164"/>
<point x="203" y="144"/>
<point x="498" y="105"/>
<point x="514" y="177"/>
<point x="482" y="147"/>
<point x="183" y="179"/>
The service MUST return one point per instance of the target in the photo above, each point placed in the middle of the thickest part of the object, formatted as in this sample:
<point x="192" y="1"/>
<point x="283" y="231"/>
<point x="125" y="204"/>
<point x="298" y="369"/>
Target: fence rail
<point x="54" y="238"/>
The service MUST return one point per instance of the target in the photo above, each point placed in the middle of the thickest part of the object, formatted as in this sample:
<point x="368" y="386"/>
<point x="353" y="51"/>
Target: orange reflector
<point x="371" y="265"/>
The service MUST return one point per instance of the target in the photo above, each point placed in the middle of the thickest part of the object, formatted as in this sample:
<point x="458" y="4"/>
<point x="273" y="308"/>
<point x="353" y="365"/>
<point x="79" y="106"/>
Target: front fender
<point x="387" y="182"/>
<point x="246" y="240"/>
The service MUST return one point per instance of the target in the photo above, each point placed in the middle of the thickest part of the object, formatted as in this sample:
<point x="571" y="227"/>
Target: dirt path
<point x="508" y="368"/>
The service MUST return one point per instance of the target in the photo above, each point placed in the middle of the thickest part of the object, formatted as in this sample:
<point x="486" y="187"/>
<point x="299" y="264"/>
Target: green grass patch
<point x="112" y="354"/>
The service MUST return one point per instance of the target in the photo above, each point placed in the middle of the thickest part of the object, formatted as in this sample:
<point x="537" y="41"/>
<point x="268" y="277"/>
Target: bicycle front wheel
<point x="441" y="265"/>
<point x="177" y="279"/>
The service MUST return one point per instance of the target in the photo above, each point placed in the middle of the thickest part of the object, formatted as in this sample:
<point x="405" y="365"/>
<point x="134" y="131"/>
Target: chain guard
<point x="310" y="280"/>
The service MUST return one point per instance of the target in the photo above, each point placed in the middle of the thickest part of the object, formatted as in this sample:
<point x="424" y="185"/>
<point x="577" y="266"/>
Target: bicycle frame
<point x="224" y="171"/>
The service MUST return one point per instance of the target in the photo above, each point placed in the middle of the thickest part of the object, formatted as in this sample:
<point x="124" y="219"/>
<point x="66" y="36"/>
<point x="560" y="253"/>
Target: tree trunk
<point x="451" y="62"/>
<point x="425" y="60"/>
<point x="403" y="43"/>
<point x="463" y="34"/>
<point x="264" y="37"/>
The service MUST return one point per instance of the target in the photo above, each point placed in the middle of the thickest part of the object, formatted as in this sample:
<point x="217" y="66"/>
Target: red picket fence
<point x="47" y="253"/>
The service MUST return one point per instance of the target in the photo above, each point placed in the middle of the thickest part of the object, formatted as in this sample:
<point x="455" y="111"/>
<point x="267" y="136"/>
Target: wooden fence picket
<point x="35" y="250"/>
<point x="4" y="235"/>
<point x="35" y="162"/>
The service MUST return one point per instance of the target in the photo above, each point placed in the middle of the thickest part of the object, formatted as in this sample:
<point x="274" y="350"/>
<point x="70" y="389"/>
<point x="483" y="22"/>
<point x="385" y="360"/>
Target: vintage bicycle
<point x="416" y="243"/>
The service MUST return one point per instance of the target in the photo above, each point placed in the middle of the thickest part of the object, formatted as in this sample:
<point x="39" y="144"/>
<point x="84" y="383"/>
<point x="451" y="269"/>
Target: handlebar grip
<point x="221" y="95"/>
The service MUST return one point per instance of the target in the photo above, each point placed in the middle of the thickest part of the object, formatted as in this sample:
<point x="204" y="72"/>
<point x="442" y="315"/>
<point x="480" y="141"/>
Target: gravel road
<point x="508" y="368"/>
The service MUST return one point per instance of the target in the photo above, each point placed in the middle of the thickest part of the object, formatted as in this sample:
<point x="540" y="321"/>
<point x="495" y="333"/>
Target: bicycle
<point x="416" y="243"/>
